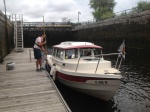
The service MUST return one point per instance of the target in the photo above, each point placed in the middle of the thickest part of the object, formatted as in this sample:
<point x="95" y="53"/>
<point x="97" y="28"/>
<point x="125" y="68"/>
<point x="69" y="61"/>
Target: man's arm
<point x="44" y="50"/>
<point x="41" y="43"/>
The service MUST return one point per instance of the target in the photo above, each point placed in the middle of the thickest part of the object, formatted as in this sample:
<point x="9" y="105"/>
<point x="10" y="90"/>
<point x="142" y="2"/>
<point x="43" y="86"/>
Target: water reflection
<point x="134" y="93"/>
<point x="79" y="102"/>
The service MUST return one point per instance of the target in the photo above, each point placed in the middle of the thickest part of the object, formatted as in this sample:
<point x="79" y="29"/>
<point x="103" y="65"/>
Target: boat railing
<point x="100" y="57"/>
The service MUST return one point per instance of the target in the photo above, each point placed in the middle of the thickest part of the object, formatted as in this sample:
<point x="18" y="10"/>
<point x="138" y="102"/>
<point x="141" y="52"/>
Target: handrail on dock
<point x="30" y="53"/>
<point x="47" y="24"/>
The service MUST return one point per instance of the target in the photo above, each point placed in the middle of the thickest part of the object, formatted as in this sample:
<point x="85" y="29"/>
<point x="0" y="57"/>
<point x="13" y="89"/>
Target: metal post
<point x="78" y="17"/>
<point x="119" y="64"/>
<point x="6" y="30"/>
<point x="116" y="62"/>
<point x="30" y="54"/>
<point x="97" y="65"/>
<point x="77" y="64"/>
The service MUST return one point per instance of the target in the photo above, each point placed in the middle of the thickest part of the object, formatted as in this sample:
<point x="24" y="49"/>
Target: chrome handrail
<point x="110" y="54"/>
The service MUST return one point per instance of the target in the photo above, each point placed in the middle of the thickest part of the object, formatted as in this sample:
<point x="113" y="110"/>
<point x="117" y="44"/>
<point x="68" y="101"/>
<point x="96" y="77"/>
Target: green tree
<point x="143" y="6"/>
<point x="103" y="9"/>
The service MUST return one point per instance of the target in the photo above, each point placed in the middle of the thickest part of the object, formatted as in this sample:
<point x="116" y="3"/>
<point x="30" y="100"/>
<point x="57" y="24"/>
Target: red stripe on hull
<point x="79" y="78"/>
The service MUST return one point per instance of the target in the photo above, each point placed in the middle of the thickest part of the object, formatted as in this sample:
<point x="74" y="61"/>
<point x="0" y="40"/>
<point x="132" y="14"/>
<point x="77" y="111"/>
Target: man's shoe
<point x="37" y="70"/>
<point x="42" y="68"/>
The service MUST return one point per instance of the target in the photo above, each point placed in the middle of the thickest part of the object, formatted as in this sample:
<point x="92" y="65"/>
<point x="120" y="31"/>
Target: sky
<point x="58" y="10"/>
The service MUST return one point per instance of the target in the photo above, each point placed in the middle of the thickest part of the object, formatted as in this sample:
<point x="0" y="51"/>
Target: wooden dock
<point x="25" y="90"/>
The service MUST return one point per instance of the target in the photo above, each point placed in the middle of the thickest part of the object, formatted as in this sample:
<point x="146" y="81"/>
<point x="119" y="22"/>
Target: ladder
<point x="18" y="32"/>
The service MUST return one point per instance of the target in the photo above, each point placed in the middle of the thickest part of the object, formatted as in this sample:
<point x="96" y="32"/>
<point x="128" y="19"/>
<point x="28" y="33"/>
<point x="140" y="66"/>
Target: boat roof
<point x="72" y="44"/>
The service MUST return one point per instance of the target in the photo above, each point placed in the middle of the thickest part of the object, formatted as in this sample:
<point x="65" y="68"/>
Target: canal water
<point x="132" y="96"/>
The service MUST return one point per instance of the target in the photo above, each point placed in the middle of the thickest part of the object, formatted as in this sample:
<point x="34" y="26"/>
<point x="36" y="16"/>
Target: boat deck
<point x="83" y="66"/>
<point x="25" y="90"/>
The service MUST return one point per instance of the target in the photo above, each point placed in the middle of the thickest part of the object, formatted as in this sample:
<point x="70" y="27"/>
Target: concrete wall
<point x="6" y="44"/>
<point x="110" y="33"/>
<point x="131" y="27"/>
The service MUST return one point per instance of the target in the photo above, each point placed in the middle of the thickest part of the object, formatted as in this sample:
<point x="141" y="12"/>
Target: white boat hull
<point x="97" y="87"/>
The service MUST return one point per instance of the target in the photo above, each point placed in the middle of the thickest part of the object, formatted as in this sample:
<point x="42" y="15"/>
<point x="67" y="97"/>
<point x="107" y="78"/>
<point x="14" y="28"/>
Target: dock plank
<point x="25" y="90"/>
<point x="39" y="107"/>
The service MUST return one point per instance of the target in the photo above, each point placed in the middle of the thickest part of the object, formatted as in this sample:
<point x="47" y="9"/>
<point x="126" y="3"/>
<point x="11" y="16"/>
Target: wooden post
<point x="44" y="26"/>
<point x="44" y="32"/>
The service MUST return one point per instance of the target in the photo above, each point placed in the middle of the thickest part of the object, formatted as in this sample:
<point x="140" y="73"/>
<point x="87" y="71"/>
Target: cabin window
<point x="97" y="51"/>
<point x="54" y="52"/>
<point x="89" y="52"/>
<point x="86" y="52"/>
<point x="71" y="53"/>
<point x="59" y="53"/>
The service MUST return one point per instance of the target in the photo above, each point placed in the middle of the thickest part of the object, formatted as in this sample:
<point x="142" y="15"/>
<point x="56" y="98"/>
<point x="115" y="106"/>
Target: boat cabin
<point x="74" y="50"/>
<point x="79" y="56"/>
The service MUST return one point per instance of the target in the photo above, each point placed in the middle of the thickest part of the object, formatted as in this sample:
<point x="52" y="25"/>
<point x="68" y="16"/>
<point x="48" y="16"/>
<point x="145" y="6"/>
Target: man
<point x="38" y="46"/>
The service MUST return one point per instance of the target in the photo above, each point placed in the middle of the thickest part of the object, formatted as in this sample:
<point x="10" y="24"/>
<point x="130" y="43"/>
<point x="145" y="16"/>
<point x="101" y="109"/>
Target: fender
<point x="53" y="72"/>
<point x="47" y="66"/>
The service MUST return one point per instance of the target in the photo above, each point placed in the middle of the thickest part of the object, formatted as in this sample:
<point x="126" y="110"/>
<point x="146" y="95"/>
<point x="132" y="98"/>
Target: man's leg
<point x="37" y="54"/>
<point x="43" y="60"/>
<point x="37" y="62"/>
<point x="37" y="65"/>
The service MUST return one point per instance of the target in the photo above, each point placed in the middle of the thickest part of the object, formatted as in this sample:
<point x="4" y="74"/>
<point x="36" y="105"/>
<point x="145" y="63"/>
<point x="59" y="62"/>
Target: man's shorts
<point x="37" y="53"/>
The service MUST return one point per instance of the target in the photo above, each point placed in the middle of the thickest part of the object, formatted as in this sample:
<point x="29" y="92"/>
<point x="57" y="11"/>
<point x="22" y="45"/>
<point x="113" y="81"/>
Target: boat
<point x="82" y="67"/>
